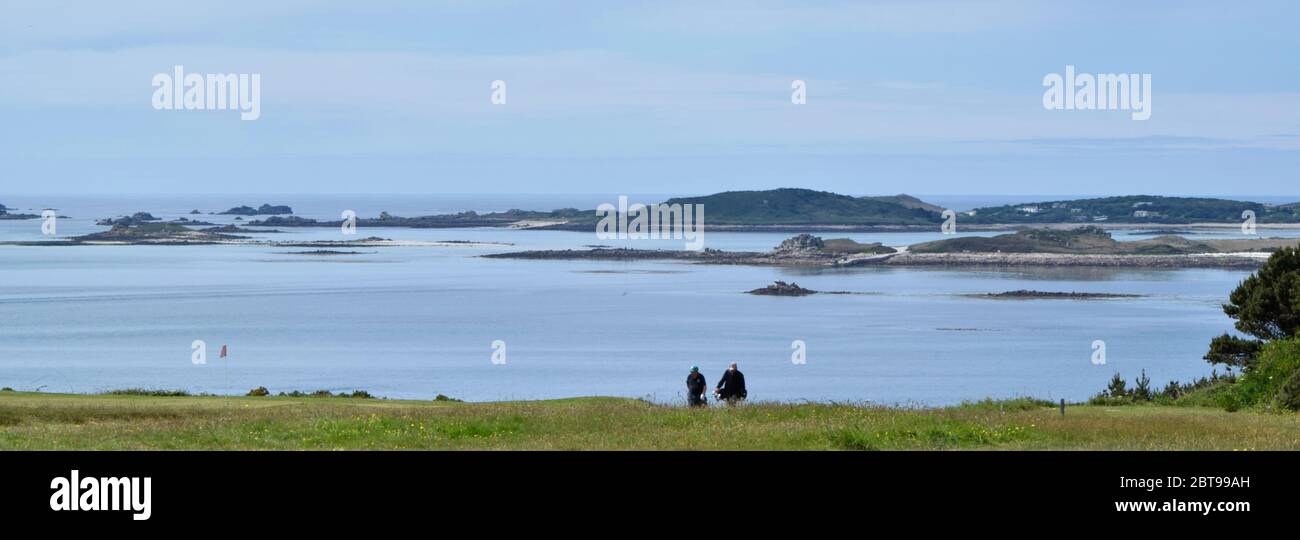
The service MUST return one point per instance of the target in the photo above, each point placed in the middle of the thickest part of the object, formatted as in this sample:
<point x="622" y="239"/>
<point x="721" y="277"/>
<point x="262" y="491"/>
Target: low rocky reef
<point x="327" y="252"/>
<point x="176" y="234"/>
<point x="141" y="218"/>
<point x="1013" y="260"/>
<point x="1025" y="294"/>
<point x="235" y="229"/>
<point x="1090" y="240"/>
<point x="508" y="218"/>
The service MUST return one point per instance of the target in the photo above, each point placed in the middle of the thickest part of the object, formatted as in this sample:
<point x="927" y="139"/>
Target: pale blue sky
<point x="913" y="96"/>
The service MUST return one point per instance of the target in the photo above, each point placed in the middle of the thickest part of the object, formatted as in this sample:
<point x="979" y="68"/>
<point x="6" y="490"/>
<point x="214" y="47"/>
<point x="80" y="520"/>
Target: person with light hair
<point x="731" y="388"/>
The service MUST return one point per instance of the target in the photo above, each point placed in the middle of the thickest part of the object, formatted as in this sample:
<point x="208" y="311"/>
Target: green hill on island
<point x="790" y="206"/>
<point x="1134" y="209"/>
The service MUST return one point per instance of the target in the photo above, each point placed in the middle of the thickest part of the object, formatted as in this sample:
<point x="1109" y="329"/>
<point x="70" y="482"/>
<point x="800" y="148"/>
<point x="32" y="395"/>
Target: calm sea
<point x="412" y="322"/>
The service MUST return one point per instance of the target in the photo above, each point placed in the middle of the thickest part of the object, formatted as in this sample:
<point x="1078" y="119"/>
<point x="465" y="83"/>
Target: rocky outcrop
<point x="132" y="220"/>
<point x="802" y="246"/>
<point x="264" y="210"/>
<point x="781" y="288"/>
<point x="290" y="221"/>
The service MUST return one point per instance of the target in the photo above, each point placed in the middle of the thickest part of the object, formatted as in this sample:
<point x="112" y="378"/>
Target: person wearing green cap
<point x="695" y="387"/>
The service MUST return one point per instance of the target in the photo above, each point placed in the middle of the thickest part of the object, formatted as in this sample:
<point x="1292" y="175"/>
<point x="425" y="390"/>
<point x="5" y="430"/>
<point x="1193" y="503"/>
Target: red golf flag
<point x="223" y="351"/>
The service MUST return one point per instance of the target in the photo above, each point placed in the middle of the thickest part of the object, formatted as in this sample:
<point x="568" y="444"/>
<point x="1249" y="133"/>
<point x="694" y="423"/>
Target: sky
<point x="686" y="97"/>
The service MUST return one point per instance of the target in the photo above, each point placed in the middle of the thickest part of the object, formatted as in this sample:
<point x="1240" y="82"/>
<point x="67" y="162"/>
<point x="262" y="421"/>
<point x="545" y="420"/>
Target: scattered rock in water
<point x="781" y="288"/>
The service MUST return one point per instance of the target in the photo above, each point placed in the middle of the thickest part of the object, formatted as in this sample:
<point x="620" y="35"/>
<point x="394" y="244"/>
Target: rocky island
<point x="509" y="218"/>
<point x="5" y="214"/>
<point x="265" y="209"/>
<point x="781" y="288"/>
<point x="801" y="250"/>
<point x="154" y="233"/>
<point x="804" y="210"/>
<point x="1085" y="246"/>
<point x="1091" y="246"/>
<point x="176" y="234"/>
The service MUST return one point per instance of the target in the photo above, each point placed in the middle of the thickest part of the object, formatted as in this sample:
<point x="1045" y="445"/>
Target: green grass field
<point x="113" y="422"/>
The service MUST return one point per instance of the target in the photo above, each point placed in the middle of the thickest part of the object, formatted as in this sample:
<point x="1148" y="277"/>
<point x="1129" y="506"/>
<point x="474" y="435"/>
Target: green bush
<point x="1270" y="382"/>
<point x="1196" y="392"/>
<point x="361" y="394"/>
<point x="1265" y="305"/>
<point x="1289" y="396"/>
<point x="259" y="391"/>
<point x="147" y="392"/>
<point x="1207" y="395"/>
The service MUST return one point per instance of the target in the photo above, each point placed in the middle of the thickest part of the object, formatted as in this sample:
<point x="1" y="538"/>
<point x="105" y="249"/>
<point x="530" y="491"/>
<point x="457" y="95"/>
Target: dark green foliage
<point x="1142" y="387"/>
<point x="1172" y="389"/>
<point x="1233" y="351"/>
<point x="1288" y="397"/>
<point x="1271" y="382"/>
<point x="1118" y="392"/>
<point x="362" y="394"/>
<point x="259" y="391"/>
<point x="1267" y="304"/>
<point x="1117" y="388"/>
<point x="441" y="397"/>
<point x="147" y="392"/>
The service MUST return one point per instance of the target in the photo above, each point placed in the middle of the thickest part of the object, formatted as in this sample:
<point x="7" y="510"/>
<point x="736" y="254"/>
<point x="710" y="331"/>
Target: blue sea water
<point x="415" y="321"/>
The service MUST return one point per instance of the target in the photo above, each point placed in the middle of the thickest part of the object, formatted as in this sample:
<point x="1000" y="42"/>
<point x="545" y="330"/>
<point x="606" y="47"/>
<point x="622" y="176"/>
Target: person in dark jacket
<point x="695" y="387"/>
<point x="731" y="387"/>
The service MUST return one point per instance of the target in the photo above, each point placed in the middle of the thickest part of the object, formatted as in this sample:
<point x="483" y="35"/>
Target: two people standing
<point x="731" y="388"/>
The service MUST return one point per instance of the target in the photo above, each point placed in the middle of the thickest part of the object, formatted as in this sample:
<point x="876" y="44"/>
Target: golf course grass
<point x="39" y="421"/>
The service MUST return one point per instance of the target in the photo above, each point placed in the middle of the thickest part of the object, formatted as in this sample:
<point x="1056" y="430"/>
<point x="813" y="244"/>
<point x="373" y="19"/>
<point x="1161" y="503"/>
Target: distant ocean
<point x="412" y="322"/>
